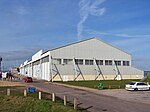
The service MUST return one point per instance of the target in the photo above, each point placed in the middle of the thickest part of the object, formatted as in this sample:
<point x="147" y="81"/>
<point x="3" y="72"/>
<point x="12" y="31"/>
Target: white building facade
<point x="91" y="59"/>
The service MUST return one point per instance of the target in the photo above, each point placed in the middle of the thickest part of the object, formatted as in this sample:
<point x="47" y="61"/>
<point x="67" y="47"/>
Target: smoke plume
<point x="88" y="7"/>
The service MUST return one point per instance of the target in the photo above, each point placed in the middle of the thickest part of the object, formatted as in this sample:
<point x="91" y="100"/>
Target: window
<point x="108" y="62"/>
<point x="67" y="61"/>
<point x="141" y="84"/>
<point x="126" y="63"/>
<point x="132" y="83"/>
<point x="99" y="62"/>
<point x="36" y="62"/>
<point x="56" y="61"/>
<point x="118" y="63"/>
<point x="88" y="62"/>
<point x="79" y="61"/>
<point x="45" y="59"/>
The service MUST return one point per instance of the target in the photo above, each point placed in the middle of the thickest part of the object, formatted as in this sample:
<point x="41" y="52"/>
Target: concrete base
<point x="92" y="77"/>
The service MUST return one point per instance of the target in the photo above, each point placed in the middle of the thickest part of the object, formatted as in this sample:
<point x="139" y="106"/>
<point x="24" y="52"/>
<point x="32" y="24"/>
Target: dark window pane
<point x="126" y="63"/>
<point x="89" y="62"/>
<point x="108" y="62"/>
<point x="79" y="61"/>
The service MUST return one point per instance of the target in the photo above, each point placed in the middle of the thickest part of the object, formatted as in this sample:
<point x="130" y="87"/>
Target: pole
<point x="75" y="103"/>
<point x="40" y="95"/>
<point x="25" y="93"/>
<point x="53" y="97"/>
<point x="8" y="92"/>
<point x="0" y="62"/>
<point x="0" y="66"/>
<point x="65" y="100"/>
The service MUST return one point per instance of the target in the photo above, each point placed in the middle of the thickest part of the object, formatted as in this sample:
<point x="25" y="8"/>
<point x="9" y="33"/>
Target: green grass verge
<point x="148" y="79"/>
<point x="107" y="84"/>
<point x="16" y="102"/>
<point x="29" y="104"/>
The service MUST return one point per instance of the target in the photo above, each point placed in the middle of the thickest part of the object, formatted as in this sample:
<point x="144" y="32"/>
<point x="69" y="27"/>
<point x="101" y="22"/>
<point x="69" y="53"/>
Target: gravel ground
<point x="97" y="100"/>
<point x="10" y="83"/>
<point x="135" y="96"/>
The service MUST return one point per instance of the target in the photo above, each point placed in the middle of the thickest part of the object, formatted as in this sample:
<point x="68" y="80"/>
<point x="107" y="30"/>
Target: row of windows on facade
<point x="85" y="62"/>
<point x="91" y="62"/>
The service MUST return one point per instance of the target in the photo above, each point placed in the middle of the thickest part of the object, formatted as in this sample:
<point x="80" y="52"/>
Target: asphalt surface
<point x="91" y="100"/>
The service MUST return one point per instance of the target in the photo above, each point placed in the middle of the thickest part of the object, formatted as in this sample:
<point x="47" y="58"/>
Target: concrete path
<point x="91" y="99"/>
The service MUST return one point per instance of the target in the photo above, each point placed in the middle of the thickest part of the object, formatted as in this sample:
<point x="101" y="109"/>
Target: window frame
<point x="117" y="62"/>
<point x="79" y="61"/>
<point x="67" y="61"/>
<point x="57" y="61"/>
<point x="126" y="63"/>
<point x="99" y="62"/>
<point x="89" y="62"/>
<point x="108" y="62"/>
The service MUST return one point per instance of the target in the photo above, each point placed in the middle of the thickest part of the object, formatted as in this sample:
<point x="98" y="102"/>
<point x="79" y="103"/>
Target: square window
<point x="56" y="61"/>
<point x="108" y="62"/>
<point x="126" y="63"/>
<point x="79" y="61"/>
<point x="67" y="61"/>
<point x="118" y="63"/>
<point x="99" y="62"/>
<point x="89" y="62"/>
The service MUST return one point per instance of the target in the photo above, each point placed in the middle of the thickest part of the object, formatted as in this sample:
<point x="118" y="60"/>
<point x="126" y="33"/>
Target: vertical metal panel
<point x="91" y="49"/>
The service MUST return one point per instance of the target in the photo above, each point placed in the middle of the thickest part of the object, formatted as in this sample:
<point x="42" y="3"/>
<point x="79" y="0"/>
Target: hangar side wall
<point x="89" y="72"/>
<point x="41" y="65"/>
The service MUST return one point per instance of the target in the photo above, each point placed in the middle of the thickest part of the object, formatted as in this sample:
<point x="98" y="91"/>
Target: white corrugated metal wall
<point x="92" y="48"/>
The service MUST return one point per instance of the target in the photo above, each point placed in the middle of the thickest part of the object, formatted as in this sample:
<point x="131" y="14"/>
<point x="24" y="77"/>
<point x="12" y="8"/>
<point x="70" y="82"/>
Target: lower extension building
<point x="90" y="59"/>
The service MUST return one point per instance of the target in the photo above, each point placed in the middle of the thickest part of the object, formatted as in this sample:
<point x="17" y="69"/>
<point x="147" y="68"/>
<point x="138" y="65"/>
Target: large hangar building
<point x="90" y="59"/>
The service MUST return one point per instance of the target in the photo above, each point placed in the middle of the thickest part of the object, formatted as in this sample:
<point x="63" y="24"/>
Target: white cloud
<point x="126" y="35"/>
<point x="90" y="31"/>
<point x="88" y="7"/>
<point x="134" y="44"/>
<point x="132" y="41"/>
<point x="138" y="46"/>
<point x="20" y="10"/>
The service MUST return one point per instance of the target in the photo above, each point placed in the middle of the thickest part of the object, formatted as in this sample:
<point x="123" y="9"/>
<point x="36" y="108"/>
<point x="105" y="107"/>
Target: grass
<point x="148" y="79"/>
<point x="107" y="84"/>
<point x="16" y="102"/>
<point x="29" y="104"/>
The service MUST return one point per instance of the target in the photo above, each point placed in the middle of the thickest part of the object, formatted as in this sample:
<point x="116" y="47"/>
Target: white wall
<point x="45" y="70"/>
<point x="90" y="49"/>
<point x="37" y="55"/>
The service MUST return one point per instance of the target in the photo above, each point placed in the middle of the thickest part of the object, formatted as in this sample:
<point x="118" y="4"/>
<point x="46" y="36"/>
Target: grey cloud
<point x="15" y="58"/>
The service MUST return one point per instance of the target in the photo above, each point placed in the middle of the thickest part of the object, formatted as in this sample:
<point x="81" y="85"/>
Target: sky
<point x="27" y="26"/>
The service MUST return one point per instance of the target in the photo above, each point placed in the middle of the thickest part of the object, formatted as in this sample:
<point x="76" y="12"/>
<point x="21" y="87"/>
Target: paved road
<point x="90" y="100"/>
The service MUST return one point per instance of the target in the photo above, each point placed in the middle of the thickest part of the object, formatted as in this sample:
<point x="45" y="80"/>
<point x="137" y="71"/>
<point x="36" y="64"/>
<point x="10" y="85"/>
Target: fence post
<point x="53" y="97"/>
<point x="75" y="103"/>
<point x="25" y="93"/>
<point x="40" y="95"/>
<point x="8" y="92"/>
<point x="65" y="100"/>
<point x="119" y="86"/>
